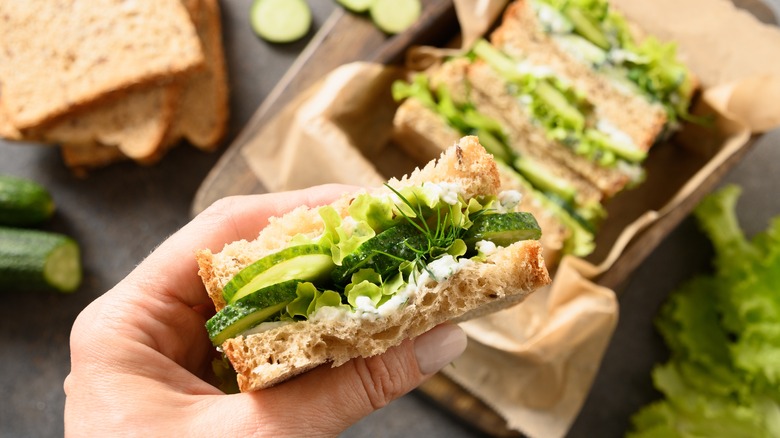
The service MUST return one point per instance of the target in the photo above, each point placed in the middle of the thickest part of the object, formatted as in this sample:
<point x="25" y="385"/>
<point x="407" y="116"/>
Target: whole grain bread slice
<point x="58" y="57"/>
<point x="269" y="357"/>
<point x="82" y="158"/>
<point x="135" y="125"/>
<point x="7" y="129"/>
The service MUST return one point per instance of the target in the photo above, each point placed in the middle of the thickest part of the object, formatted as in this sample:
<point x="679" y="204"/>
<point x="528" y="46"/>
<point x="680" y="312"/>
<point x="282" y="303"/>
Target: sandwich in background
<point x="570" y="134"/>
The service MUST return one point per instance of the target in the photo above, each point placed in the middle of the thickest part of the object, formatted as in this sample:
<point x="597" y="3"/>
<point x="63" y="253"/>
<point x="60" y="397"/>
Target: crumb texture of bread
<point x="267" y="358"/>
<point x="420" y="132"/>
<point x="136" y="124"/>
<point x="81" y="158"/>
<point x="91" y="59"/>
<point x="7" y="129"/>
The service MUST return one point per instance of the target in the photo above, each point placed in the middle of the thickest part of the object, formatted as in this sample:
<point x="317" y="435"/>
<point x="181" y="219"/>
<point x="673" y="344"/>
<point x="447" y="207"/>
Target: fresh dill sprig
<point x="439" y="238"/>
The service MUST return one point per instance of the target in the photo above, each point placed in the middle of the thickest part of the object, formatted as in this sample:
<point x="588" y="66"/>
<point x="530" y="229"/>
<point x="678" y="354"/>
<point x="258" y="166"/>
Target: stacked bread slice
<point x="567" y="96"/>
<point x="110" y="80"/>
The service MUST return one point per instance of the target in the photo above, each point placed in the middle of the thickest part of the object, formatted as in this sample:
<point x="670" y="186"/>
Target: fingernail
<point x="438" y="347"/>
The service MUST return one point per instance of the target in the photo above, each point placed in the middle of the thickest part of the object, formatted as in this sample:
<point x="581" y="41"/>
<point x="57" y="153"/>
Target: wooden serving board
<point x="345" y="38"/>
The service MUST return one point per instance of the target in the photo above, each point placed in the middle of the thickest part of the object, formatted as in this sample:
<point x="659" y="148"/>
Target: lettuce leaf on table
<point x="723" y="331"/>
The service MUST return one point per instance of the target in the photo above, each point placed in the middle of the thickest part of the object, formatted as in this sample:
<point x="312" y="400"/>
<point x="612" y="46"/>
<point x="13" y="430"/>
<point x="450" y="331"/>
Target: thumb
<point x="326" y="401"/>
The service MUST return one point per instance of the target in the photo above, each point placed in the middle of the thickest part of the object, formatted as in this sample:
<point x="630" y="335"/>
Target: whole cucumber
<point x="38" y="260"/>
<point x="23" y="202"/>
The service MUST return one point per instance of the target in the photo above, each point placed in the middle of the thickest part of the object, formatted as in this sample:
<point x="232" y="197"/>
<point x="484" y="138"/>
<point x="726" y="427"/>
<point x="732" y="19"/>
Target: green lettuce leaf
<point x="723" y="332"/>
<point x="310" y="299"/>
<point x="367" y="283"/>
<point x="341" y="241"/>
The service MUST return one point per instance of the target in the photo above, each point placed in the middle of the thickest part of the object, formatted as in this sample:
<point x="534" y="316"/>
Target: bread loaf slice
<point x="269" y="357"/>
<point x="196" y="108"/>
<point x="82" y="158"/>
<point x="57" y="57"/>
<point x="7" y="129"/>
<point x="135" y="123"/>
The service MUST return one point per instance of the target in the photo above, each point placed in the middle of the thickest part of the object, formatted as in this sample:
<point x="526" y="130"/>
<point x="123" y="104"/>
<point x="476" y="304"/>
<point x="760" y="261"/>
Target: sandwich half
<point x="571" y="133"/>
<point x="356" y="277"/>
<point x="577" y="38"/>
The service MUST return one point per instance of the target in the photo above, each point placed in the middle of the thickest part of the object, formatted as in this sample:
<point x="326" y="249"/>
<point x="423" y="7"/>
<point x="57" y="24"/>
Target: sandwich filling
<point x="371" y="262"/>
<point x="594" y="33"/>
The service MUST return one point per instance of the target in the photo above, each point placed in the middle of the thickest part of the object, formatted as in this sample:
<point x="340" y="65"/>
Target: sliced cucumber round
<point x="395" y="16"/>
<point x="303" y="262"/>
<point x="251" y="310"/>
<point x="280" y="21"/>
<point x="357" y="6"/>
<point x="503" y="229"/>
<point x="383" y="253"/>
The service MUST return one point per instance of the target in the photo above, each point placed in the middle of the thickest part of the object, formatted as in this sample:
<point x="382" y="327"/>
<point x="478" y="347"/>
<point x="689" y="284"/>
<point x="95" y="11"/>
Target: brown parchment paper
<point x="535" y="363"/>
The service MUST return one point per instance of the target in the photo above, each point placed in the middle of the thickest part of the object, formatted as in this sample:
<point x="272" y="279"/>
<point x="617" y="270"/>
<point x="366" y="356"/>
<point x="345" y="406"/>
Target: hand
<point x="140" y="354"/>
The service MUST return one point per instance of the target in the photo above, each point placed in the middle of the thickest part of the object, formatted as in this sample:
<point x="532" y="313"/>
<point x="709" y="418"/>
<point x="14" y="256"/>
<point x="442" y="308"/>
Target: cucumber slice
<point x="395" y="16"/>
<point x="383" y="253"/>
<point x="38" y="260"/>
<point x="503" y="229"/>
<point x="357" y="6"/>
<point x="586" y="27"/>
<point x="557" y="102"/>
<point x="544" y="180"/>
<point x="251" y="310"/>
<point x="581" y="49"/>
<point x="23" y="202"/>
<point x="304" y="262"/>
<point x="280" y="21"/>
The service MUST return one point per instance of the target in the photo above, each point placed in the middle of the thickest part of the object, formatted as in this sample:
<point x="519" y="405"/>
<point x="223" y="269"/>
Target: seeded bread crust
<point x="521" y="35"/>
<point x="270" y="357"/>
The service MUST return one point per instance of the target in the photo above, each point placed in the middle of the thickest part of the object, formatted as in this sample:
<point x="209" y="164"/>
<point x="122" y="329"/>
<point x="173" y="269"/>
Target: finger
<point x="325" y="401"/>
<point x="171" y="269"/>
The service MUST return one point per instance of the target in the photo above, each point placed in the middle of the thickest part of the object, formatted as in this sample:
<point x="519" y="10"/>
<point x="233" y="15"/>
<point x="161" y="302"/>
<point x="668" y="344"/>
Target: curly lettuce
<point x="723" y="331"/>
